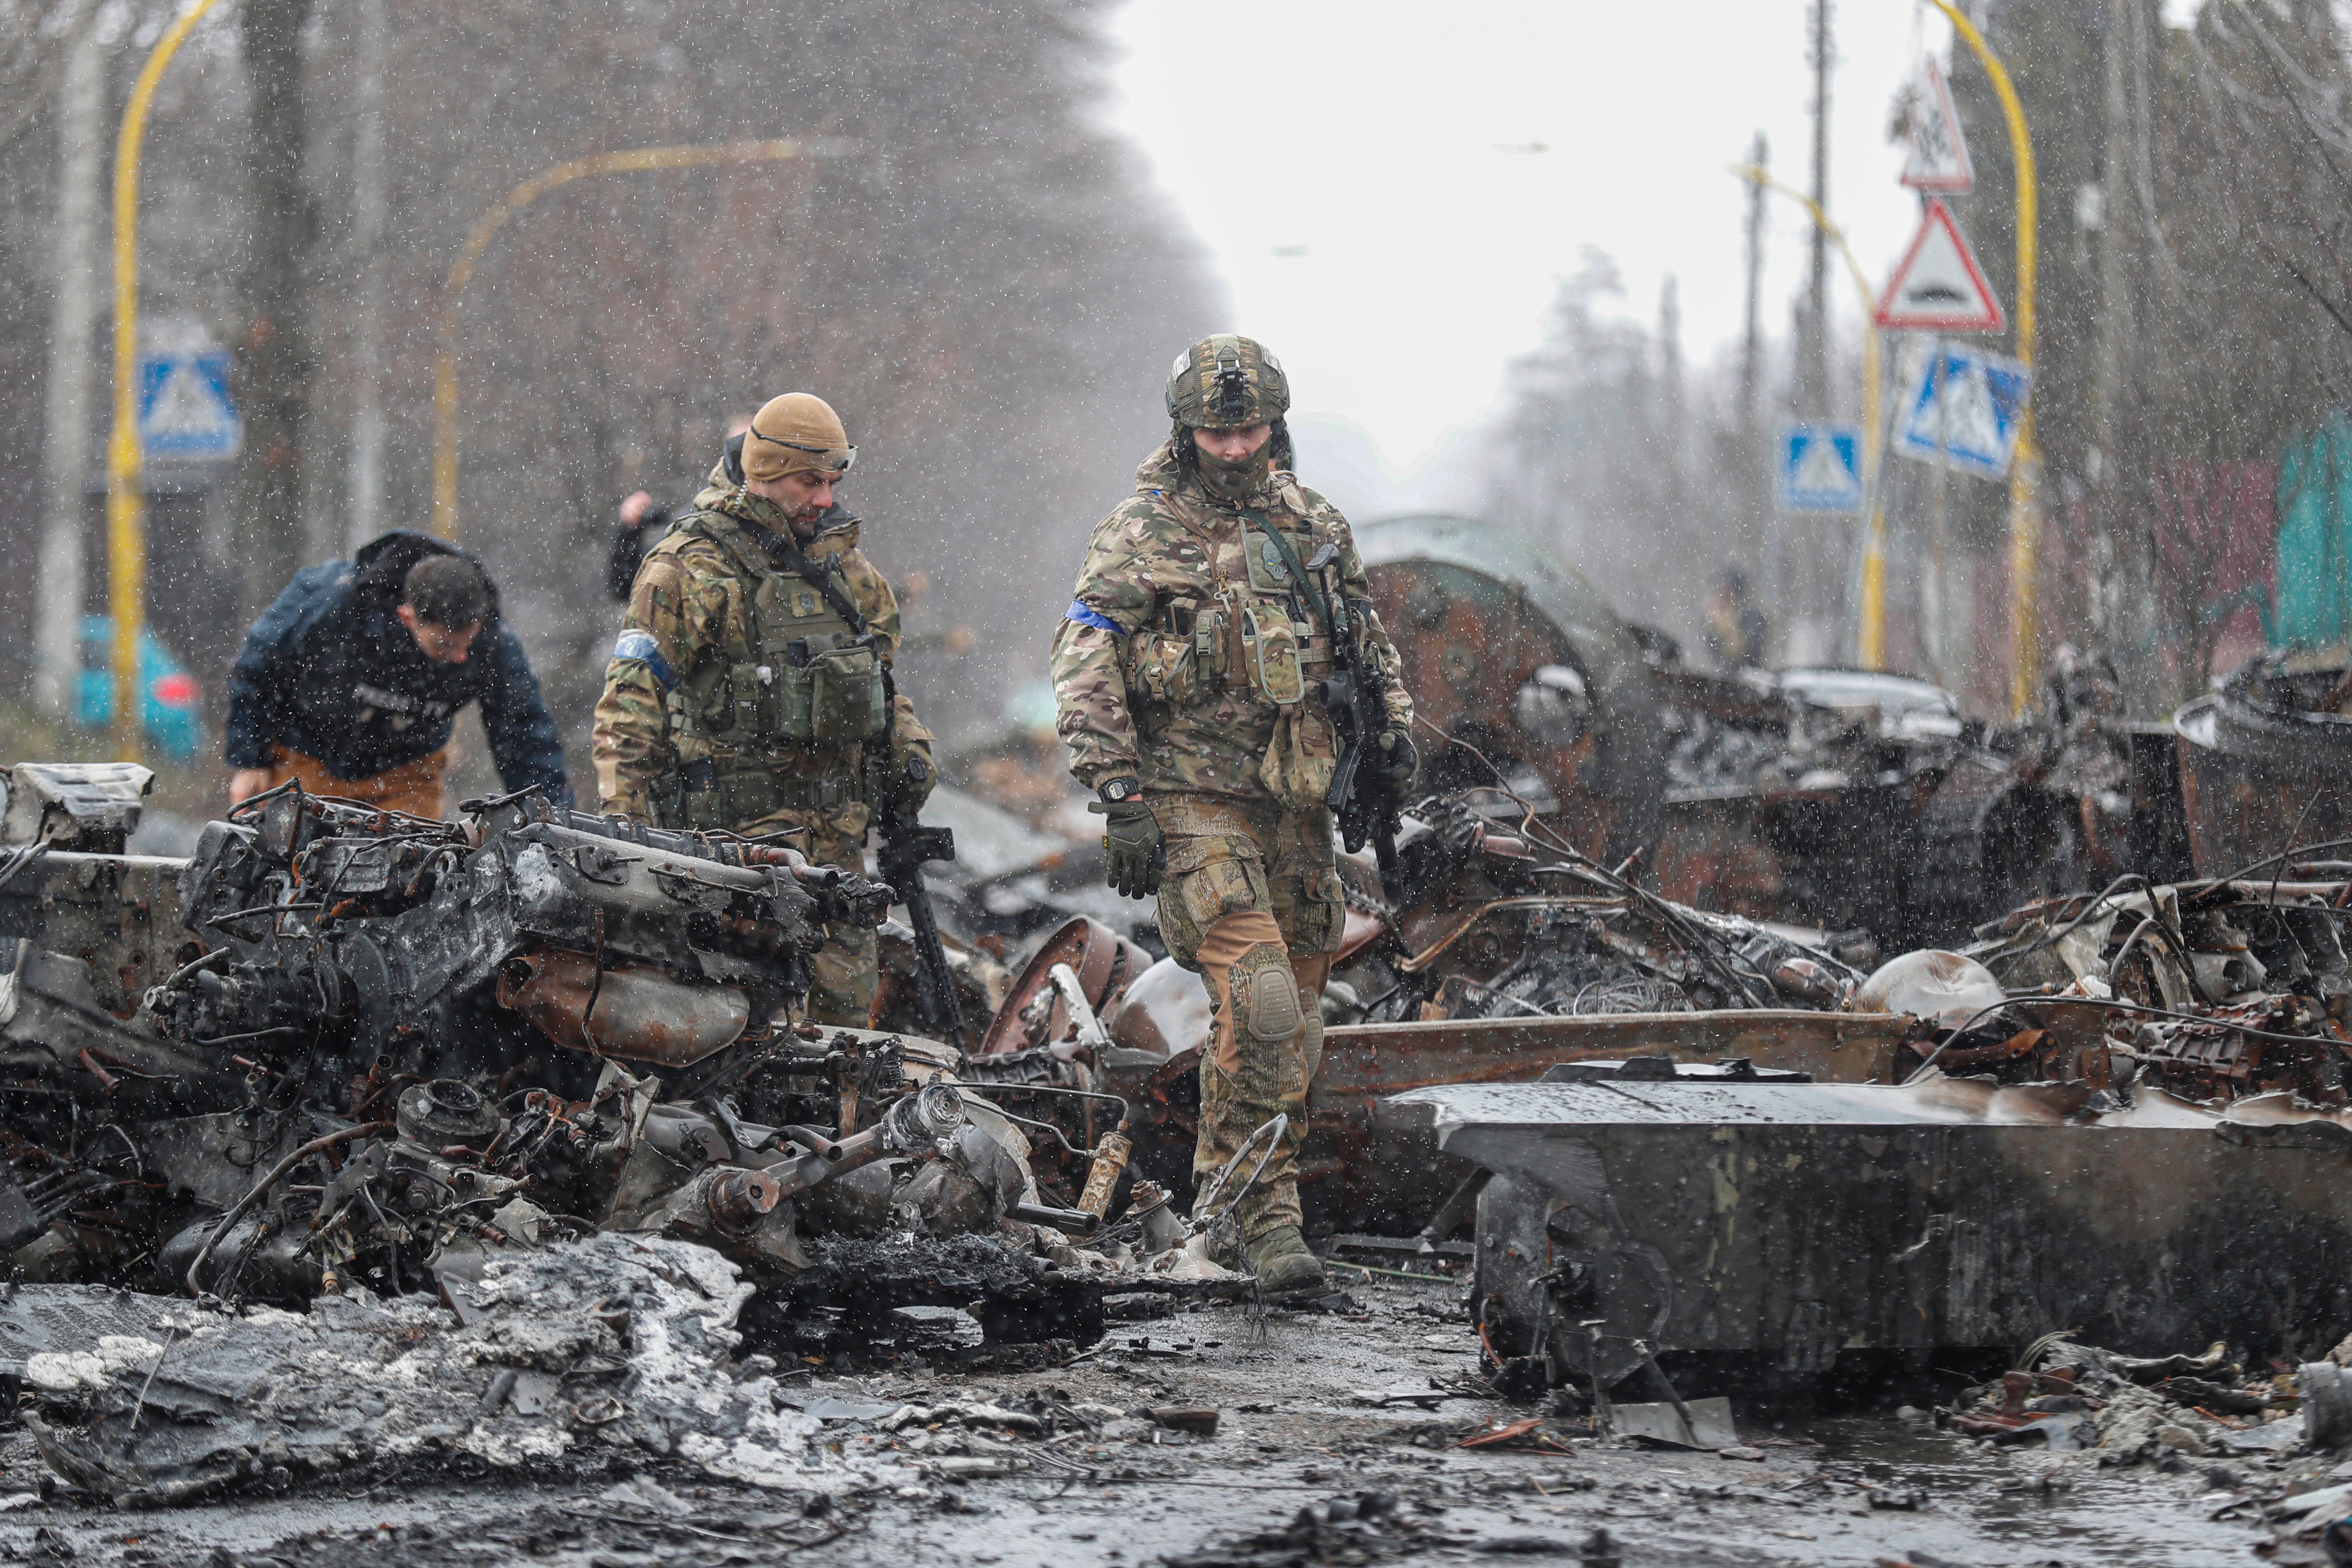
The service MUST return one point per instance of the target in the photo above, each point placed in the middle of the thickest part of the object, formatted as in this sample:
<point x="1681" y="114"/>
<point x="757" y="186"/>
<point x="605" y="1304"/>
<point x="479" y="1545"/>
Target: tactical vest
<point x="1258" y="632"/>
<point x="812" y="682"/>
<point x="1254" y="632"/>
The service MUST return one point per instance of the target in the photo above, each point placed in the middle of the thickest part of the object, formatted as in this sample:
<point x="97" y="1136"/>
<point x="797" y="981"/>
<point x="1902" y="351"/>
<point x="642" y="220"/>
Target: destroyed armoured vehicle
<point x="340" y="1046"/>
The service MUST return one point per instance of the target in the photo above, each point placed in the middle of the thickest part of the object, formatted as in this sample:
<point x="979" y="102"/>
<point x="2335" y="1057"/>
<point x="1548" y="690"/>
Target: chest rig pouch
<point x="1240" y="638"/>
<point x="813" y="678"/>
<point x="1275" y="650"/>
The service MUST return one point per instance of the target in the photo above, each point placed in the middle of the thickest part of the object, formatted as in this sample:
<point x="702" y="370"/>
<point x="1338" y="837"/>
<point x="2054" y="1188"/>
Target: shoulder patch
<point x="639" y="645"/>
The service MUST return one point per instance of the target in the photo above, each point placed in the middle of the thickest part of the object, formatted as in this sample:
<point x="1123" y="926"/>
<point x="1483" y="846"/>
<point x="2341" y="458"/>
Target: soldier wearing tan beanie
<point x="741" y="698"/>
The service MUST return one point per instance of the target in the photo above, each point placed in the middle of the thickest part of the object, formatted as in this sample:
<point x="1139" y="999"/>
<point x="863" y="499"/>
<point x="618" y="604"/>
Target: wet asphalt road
<point x="1292" y="1434"/>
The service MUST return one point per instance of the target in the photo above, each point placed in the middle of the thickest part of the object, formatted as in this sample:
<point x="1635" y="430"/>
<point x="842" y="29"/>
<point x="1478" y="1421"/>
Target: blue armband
<point x="641" y="647"/>
<point x="1087" y="615"/>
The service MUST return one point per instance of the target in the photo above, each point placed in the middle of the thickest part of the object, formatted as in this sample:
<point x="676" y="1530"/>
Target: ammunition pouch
<point x="1166" y="667"/>
<point x="830" y="692"/>
<point x="1270" y="650"/>
<point x="708" y="800"/>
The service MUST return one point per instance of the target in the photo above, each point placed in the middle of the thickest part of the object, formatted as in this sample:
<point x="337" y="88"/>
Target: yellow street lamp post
<point x="2025" y="468"/>
<point x="1872" y="637"/>
<point x="126" y="537"/>
<point x="461" y="271"/>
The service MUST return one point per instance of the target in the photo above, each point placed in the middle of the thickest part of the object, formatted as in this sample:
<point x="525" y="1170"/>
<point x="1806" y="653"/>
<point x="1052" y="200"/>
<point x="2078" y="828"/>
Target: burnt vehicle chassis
<point x="380" y="1049"/>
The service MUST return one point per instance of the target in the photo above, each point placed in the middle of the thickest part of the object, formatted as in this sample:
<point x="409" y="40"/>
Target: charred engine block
<point x="345" y="938"/>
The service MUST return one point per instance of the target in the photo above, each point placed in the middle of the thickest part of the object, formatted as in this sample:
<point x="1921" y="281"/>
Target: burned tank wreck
<point x="2127" y="1115"/>
<point x="1846" y="800"/>
<point x="1498" y="955"/>
<point x="340" y="1048"/>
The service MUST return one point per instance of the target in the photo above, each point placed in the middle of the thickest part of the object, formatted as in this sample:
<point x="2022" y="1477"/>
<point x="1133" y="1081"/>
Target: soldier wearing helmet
<point x="1186" y="677"/>
<point x="750" y="689"/>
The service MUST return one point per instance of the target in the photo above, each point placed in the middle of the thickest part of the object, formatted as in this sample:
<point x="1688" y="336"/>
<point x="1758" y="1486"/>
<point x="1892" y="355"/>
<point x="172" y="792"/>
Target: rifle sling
<point x="787" y="554"/>
<point x="1290" y="559"/>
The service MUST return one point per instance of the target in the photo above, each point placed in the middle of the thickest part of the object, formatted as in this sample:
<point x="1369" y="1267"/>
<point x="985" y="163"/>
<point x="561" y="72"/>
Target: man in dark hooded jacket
<point x="352" y="680"/>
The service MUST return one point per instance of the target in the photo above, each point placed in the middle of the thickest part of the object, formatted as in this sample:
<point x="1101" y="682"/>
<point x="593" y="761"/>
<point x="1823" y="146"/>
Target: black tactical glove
<point x="1131" y="837"/>
<point x="1398" y="761"/>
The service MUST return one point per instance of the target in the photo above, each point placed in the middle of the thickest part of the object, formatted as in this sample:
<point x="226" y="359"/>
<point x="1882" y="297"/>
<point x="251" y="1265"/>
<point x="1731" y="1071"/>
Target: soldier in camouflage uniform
<point x="741" y="697"/>
<point x="1186" y="677"/>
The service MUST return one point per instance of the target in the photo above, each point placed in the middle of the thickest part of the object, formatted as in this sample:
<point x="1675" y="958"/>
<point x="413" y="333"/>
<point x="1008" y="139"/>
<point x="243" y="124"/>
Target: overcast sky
<point x="1356" y="168"/>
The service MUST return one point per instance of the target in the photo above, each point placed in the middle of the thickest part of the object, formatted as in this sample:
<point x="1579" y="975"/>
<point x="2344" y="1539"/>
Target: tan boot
<point x="1284" y="1269"/>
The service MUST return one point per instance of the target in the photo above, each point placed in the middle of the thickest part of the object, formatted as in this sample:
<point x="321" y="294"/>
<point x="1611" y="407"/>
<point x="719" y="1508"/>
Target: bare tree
<point x="274" y="363"/>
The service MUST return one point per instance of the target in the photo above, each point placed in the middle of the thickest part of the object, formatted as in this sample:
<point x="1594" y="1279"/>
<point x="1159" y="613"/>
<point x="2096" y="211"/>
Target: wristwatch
<point x="1124" y="787"/>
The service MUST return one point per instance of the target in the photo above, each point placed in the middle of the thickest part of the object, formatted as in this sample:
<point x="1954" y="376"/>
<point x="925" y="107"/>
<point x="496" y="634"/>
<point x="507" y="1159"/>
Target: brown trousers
<point x="418" y="788"/>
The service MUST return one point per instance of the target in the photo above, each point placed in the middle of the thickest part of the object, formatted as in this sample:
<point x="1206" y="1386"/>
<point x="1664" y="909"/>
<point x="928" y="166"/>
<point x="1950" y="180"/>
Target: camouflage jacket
<point x="690" y="608"/>
<point x="1168" y="666"/>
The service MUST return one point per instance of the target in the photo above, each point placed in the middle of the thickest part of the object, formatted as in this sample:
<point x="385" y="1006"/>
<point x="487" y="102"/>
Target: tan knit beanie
<point x="797" y="433"/>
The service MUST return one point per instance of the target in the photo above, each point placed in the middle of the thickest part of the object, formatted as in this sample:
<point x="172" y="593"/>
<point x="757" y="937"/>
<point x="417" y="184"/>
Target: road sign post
<point x="1938" y="286"/>
<point x="1939" y="149"/>
<point x="2025" y="466"/>
<point x="1872" y="639"/>
<point x="184" y="408"/>
<point x="126" y="531"/>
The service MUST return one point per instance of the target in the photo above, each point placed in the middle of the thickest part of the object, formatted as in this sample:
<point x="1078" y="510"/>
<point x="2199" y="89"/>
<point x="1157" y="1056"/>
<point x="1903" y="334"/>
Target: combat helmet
<point x="1226" y="382"/>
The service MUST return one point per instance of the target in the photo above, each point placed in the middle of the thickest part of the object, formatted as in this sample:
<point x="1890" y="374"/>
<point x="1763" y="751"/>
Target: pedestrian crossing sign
<point x="184" y="408"/>
<point x="1961" y="407"/>
<point x="1821" y="468"/>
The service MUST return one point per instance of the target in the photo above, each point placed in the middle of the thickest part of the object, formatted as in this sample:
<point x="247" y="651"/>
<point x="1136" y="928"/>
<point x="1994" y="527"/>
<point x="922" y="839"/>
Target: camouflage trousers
<point x="1251" y="903"/>
<point x="849" y="963"/>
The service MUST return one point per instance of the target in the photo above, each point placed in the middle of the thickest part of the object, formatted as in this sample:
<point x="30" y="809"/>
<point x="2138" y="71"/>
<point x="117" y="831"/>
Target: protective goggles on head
<point x="833" y="461"/>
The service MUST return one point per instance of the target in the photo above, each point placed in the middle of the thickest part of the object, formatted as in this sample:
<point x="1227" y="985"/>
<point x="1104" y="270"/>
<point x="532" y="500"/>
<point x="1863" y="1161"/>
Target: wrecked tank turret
<point x="2264" y="761"/>
<point x="1509" y="650"/>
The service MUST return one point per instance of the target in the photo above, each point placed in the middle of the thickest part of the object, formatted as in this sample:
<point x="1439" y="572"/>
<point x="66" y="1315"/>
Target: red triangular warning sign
<point x="1938" y="286"/>
<point x="1939" y="152"/>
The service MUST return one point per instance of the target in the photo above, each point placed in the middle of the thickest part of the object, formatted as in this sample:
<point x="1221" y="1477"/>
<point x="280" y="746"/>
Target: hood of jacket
<point x="379" y="567"/>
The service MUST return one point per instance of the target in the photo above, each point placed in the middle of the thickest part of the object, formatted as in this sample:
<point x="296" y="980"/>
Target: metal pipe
<point x="486" y="229"/>
<point x="126" y="500"/>
<point x="228" y="1221"/>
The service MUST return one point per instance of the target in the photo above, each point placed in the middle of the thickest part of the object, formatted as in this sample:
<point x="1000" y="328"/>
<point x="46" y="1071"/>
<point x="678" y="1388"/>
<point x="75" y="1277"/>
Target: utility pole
<point x="1799" y="595"/>
<point x="1672" y="412"/>
<point x="73" y="312"/>
<point x="2124" y="591"/>
<point x="274" y="366"/>
<point x="1813" y="370"/>
<point x="1753" y="469"/>
<point x="364" y="488"/>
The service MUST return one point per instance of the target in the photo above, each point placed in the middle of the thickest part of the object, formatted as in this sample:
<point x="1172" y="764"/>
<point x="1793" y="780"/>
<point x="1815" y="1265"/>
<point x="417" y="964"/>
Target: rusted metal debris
<point x="2209" y="990"/>
<point x="1840" y="799"/>
<point x="2128" y="1113"/>
<point x="1504" y="952"/>
<point x="1848" y="798"/>
<point x="1509" y="650"/>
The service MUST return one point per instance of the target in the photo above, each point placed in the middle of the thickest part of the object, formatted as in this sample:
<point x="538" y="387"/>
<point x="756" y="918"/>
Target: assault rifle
<point x="905" y="845"/>
<point x="1357" y="697"/>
